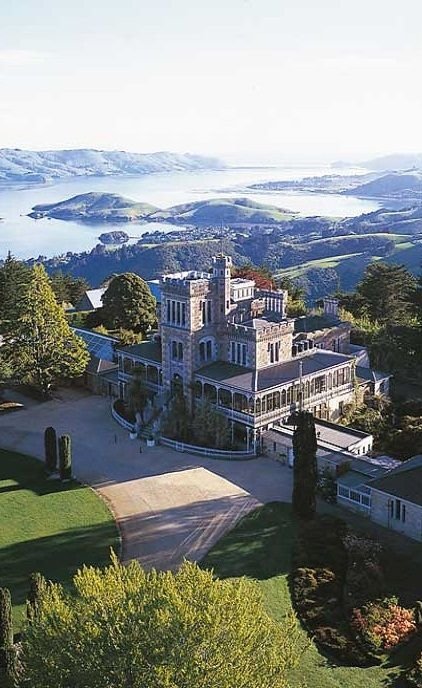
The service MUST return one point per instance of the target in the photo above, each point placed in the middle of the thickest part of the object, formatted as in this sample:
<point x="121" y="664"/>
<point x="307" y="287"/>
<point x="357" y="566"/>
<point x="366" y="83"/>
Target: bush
<point x="414" y="676"/>
<point x="124" y="411"/>
<point x="65" y="457"/>
<point x="364" y="580"/>
<point x="50" y="446"/>
<point x="327" y="486"/>
<point x="383" y="625"/>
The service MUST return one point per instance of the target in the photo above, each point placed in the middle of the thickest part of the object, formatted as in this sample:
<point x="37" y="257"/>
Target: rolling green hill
<point x="95" y="207"/>
<point x="220" y="210"/>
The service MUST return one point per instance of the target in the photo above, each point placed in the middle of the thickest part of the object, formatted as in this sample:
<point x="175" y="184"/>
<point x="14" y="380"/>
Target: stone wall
<point x="380" y="513"/>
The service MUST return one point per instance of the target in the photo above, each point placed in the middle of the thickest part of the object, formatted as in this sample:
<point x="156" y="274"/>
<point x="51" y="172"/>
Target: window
<point x="398" y="509"/>
<point x="177" y="351"/>
<point x="403" y="513"/>
<point x="238" y="353"/>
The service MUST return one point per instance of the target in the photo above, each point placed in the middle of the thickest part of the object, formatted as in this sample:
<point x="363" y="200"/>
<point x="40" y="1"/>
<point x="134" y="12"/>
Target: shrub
<point x="65" y="457"/>
<point x="364" y="580"/>
<point x="50" y="446"/>
<point x="6" y="626"/>
<point x="414" y="676"/>
<point x="383" y="625"/>
<point x="327" y="486"/>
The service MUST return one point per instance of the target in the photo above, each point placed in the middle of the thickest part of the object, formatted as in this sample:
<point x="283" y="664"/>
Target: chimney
<point x="330" y="307"/>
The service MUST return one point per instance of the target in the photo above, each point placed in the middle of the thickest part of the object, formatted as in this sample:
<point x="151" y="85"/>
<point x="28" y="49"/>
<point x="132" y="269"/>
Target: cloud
<point x="20" y="58"/>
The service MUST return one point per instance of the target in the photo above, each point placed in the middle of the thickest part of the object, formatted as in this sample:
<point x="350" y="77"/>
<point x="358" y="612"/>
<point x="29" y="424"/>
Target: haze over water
<point x="26" y="237"/>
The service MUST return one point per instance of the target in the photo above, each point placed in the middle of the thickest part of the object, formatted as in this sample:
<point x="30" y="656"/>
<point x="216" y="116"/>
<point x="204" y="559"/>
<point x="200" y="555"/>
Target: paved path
<point x="168" y="505"/>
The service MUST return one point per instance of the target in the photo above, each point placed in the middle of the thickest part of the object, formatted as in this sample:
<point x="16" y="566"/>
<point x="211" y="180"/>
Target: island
<point x="115" y="237"/>
<point x="96" y="207"/>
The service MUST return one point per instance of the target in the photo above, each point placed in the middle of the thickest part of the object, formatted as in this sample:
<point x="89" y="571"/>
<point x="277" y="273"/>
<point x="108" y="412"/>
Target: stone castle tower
<point x="194" y="308"/>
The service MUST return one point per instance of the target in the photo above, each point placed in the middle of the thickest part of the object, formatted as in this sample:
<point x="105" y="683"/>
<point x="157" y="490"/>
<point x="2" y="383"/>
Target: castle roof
<point x="248" y="380"/>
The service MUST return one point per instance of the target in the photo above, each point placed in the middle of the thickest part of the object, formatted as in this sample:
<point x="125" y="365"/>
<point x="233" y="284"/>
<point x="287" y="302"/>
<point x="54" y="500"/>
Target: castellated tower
<point x="188" y="325"/>
<point x="221" y="277"/>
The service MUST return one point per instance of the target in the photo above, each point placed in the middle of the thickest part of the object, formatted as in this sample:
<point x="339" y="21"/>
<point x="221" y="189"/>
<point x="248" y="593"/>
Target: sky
<point x="248" y="80"/>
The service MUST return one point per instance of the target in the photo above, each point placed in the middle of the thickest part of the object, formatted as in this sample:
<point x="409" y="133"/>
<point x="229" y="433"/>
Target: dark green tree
<point x="68" y="289"/>
<point x="129" y="304"/>
<point x="177" y="421"/>
<point x="8" y="657"/>
<point x="39" y="345"/>
<point x="37" y="587"/>
<point x="65" y="457"/>
<point x="387" y="293"/>
<point x="209" y="427"/>
<point x="137" y="393"/>
<point x="305" y="474"/>
<point x="50" y="449"/>
<point x="6" y="625"/>
<point x="14" y="276"/>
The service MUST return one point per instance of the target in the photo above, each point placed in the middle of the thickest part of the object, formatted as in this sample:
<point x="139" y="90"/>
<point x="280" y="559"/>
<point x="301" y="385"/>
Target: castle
<point x="224" y="340"/>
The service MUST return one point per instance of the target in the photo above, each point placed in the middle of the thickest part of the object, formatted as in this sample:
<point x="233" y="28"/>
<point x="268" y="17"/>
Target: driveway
<point x="168" y="505"/>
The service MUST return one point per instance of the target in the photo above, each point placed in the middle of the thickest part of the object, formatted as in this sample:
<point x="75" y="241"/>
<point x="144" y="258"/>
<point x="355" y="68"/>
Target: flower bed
<point x="384" y="624"/>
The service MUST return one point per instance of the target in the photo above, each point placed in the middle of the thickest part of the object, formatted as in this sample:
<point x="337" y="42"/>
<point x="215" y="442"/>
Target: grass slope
<point x="260" y="547"/>
<point x="95" y="206"/>
<point x="221" y="210"/>
<point x="47" y="527"/>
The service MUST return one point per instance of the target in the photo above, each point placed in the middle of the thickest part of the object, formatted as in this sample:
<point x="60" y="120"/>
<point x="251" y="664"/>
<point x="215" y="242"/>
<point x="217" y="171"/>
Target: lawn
<point x="260" y="547"/>
<point x="47" y="526"/>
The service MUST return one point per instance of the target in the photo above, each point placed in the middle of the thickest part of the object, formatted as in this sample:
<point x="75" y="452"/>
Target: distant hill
<point x="396" y="161"/>
<point x="105" y="207"/>
<point x="17" y="166"/>
<point x="230" y="210"/>
<point x="95" y="207"/>
<point x="394" y="185"/>
<point x="321" y="253"/>
<point x="400" y="185"/>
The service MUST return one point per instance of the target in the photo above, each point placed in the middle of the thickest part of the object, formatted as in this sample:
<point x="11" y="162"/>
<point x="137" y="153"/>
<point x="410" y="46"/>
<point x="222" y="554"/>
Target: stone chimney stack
<point x="330" y="307"/>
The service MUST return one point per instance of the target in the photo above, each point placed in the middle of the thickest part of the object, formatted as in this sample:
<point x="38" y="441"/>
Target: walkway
<point x="168" y="505"/>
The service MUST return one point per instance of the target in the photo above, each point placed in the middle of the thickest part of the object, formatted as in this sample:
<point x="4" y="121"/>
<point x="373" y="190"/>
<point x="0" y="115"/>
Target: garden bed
<point x="342" y="597"/>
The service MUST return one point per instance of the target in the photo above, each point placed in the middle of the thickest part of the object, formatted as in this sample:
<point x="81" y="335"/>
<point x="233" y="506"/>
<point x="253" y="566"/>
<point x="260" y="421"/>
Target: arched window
<point x="283" y="397"/>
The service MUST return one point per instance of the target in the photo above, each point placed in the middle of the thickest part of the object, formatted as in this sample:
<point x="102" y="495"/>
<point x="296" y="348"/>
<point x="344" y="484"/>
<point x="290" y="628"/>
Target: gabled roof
<point x="404" y="482"/>
<point x="93" y="296"/>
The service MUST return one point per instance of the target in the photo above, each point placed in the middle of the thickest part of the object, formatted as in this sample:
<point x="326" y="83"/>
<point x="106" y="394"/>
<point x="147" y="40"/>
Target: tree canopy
<point x="129" y="304"/>
<point x="305" y="474"/>
<point x="123" y="627"/>
<point x="386" y="293"/>
<point x="39" y="345"/>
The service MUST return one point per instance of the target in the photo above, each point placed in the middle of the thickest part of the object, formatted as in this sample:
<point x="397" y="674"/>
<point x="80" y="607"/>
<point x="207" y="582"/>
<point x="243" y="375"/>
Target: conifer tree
<point x="305" y="466"/>
<point x="39" y="345"/>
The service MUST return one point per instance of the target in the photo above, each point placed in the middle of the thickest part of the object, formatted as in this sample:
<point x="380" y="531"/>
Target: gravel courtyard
<point x="168" y="505"/>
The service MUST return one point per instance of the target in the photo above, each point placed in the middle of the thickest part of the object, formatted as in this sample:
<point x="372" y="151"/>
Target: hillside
<point x="403" y="186"/>
<point x="95" y="207"/>
<point x="17" y="166"/>
<point x="231" y="210"/>
<point x="105" y="207"/>
<point x="321" y="253"/>
<point x="396" y="161"/>
<point x="400" y="185"/>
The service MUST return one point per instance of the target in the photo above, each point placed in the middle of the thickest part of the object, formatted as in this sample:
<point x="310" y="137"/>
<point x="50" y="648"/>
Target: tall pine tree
<point x="305" y="466"/>
<point x="39" y="345"/>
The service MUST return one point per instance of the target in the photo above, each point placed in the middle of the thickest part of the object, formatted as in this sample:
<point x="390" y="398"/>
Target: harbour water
<point x="26" y="237"/>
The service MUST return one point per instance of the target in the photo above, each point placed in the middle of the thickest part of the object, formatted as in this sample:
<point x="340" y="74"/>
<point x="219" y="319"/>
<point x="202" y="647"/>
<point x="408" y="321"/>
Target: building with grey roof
<point x="224" y="340"/>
